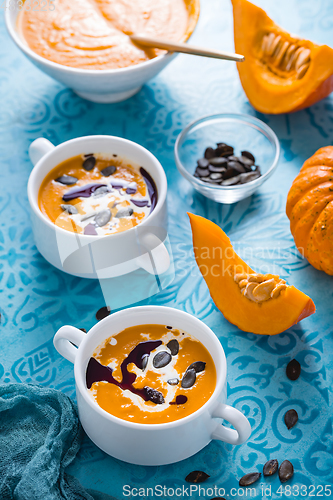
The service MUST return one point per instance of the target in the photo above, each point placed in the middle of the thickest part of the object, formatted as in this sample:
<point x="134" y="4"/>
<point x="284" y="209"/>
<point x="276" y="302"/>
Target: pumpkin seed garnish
<point x="107" y="171"/>
<point x="286" y="471"/>
<point x="198" y="366"/>
<point x="189" y="378"/>
<point x="124" y="212"/>
<point x="103" y="217"/>
<point x="70" y="209"/>
<point x="173" y="381"/>
<point x="249" y="479"/>
<point x="271" y="467"/>
<point x="144" y="361"/>
<point x="173" y="345"/>
<point x="291" y="418"/>
<point x="89" y="163"/>
<point x="154" y="395"/>
<point x="100" y="191"/>
<point x="293" y="369"/>
<point x="161" y="359"/>
<point x="67" y="180"/>
<point x="197" y="476"/>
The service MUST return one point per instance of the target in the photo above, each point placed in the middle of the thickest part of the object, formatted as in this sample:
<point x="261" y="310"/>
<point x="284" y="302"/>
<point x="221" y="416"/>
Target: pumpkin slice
<point x="281" y="73"/>
<point x="257" y="303"/>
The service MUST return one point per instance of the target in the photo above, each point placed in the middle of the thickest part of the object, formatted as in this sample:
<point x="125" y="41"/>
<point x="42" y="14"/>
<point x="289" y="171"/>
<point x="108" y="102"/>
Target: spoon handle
<point x="157" y="43"/>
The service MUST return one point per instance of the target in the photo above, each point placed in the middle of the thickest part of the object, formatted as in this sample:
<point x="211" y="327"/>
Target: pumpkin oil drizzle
<point x="96" y="372"/>
<point x="259" y="287"/>
<point x="284" y="58"/>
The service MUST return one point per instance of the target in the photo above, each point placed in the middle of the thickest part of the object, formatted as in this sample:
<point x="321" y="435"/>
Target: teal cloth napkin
<point x="40" y="435"/>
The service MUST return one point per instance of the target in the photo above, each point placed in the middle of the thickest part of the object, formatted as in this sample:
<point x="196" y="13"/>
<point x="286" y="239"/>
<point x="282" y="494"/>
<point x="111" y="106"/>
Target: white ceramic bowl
<point x="105" y="86"/>
<point x="99" y="257"/>
<point x="151" y="444"/>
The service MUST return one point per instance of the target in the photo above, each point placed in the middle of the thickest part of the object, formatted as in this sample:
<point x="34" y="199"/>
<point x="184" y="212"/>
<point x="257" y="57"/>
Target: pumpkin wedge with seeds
<point x="256" y="303"/>
<point x="281" y="73"/>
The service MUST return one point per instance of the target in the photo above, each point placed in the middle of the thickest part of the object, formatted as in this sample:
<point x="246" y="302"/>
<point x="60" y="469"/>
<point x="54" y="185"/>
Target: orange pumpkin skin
<point x="269" y="87"/>
<point x="310" y="210"/>
<point x="216" y="259"/>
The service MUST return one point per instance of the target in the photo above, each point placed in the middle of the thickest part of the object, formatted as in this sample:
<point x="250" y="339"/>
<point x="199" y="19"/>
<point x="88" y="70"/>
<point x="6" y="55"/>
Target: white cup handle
<point x="237" y="419"/>
<point x="157" y="259"/>
<point x="38" y="149"/>
<point x="64" y="339"/>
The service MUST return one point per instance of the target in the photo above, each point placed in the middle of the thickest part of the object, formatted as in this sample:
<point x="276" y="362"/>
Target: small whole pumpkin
<point x="310" y="210"/>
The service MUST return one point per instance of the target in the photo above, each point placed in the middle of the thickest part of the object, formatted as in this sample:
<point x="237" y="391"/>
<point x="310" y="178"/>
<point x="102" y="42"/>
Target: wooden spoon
<point x="157" y="43"/>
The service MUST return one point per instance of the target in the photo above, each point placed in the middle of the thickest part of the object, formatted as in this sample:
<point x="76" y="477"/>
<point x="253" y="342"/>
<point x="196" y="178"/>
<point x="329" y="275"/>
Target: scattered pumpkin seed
<point x="286" y="471"/>
<point x="189" y="378"/>
<point x="249" y="479"/>
<point x="293" y="369"/>
<point x="161" y="359"/>
<point x="291" y="418"/>
<point x="271" y="467"/>
<point x="197" y="476"/>
<point x="173" y="345"/>
<point x="103" y="312"/>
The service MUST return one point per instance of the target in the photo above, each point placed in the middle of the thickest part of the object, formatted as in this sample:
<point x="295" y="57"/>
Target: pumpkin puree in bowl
<point x="93" y="34"/>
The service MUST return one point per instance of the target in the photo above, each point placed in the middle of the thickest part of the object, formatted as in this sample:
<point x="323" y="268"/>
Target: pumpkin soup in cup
<point x="98" y="207"/>
<point x="96" y="194"/>
<point x="151" y="385"/>
<point x="151" y="374"/>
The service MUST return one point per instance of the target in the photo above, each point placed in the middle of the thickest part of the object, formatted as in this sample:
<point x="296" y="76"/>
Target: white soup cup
<point x="100" y="257"/>
<point x="151" y="444"/>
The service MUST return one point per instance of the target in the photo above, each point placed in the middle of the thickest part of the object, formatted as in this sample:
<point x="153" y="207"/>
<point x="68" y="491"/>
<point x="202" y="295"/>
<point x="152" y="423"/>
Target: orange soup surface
<point x="93" y="34"/>
<point x="97" y="194"/>
<point x="151" y="374"/>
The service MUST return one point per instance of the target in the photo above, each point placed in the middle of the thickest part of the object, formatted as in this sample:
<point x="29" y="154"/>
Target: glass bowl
<point x="244" y="133"/>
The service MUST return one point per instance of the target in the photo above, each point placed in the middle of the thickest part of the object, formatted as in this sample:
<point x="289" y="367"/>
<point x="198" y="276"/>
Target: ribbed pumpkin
<point x="310" y="210"/>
